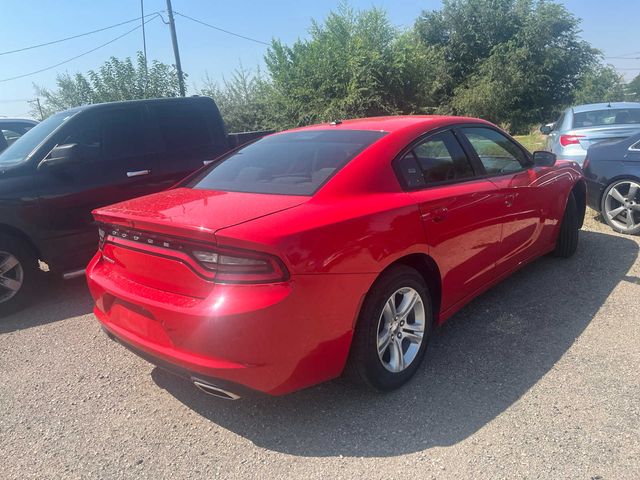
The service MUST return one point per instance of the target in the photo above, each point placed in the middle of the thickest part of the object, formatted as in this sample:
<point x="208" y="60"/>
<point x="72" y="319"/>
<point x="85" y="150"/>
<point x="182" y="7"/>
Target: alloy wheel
<point x="621" y="205"/>
<point x="11" y="276"/>
<point x="401" y="329"/>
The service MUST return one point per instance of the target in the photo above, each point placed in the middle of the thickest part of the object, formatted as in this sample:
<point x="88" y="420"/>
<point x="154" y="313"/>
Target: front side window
<point x="23" y="147"/>
<point x="108" y="134"/>
<point x="437" y="159"/>
<point x="497" y="153"/>
<point x="293" y="163"/>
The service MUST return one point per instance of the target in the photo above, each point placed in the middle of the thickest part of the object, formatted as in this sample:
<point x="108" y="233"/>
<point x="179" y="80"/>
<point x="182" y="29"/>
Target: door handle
<point x="508" y="199"/>
<point x="207" y="162"/>
<point x="138" y="173"/>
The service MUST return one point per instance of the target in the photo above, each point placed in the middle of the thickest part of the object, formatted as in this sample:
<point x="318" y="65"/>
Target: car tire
<point x="385" y="371"/>
<point x="19" y="274"/>
<point x="567" y="242"/>
<point x="606" y="206"/>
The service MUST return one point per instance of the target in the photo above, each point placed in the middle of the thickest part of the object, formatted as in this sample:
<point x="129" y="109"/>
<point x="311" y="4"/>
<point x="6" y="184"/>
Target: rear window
<point x="294" y="163"/>
<point x="610" y="116"/>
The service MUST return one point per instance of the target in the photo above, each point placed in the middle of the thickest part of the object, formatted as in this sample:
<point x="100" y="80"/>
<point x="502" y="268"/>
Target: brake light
<point x="220" y="264"/>
<point x="231" y="266"/>
<point x="570" y="139"/>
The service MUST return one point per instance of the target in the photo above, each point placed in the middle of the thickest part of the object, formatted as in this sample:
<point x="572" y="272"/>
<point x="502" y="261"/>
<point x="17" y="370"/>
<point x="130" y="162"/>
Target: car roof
<point x="392" y="124"/>
<point x="12" y="120"/>
<point x="145" y="101"/>
<point x="603" y="106"/>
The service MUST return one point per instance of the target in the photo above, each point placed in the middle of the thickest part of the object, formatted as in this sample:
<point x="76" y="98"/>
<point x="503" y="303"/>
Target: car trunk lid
<point x="194" y="213"/>
<point x="151" y="240"/>
<point x="593" y="135"/>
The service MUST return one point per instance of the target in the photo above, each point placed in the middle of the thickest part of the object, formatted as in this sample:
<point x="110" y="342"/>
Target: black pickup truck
<point x="87" y="157"/>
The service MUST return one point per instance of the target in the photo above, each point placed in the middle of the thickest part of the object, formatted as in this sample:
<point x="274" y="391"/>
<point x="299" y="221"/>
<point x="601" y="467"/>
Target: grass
<point x="533" y="141"/>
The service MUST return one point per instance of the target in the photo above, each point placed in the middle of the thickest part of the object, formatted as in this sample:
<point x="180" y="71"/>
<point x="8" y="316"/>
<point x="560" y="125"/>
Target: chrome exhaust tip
<point x="213" y="390"/>
<point x="73" y="274"/>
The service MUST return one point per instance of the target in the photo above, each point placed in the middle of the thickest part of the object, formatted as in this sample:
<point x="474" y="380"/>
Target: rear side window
<point x="497" y="153"/>
<point x="294" y="163"/>
<point x="610" y="116"/>
<point x="182" y="126"/>
<point x="435" y="160"/>
<point x="109" y="134"/>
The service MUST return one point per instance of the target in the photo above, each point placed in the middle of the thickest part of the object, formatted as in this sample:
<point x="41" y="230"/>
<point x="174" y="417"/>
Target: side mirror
<point x="67" y="154"/>
<point x="542" y="158"/>
<point x="547" y="129"/>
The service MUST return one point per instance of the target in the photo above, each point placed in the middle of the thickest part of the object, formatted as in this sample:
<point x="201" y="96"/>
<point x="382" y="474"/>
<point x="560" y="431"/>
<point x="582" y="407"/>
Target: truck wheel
<point x="18" y="274"/>
<point x="393" y="330"/>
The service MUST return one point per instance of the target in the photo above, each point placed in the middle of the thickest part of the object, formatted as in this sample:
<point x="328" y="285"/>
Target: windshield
<point x="294" y="163"/>
<point x="21" y="148"/>
<point x="610" y="116"/>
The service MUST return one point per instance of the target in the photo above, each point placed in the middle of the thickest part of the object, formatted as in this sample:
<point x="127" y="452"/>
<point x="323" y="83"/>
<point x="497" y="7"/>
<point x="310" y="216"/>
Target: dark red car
<point x="335" y="245"/>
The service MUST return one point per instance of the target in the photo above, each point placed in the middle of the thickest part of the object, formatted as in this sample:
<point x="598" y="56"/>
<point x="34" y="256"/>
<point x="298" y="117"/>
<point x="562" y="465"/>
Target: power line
<point x="75" y="36"/>
<point x="78" y="56"/>
<point x="622" y="58"/>
<point x="221" y="29"/>
<point x="626" y="54"/>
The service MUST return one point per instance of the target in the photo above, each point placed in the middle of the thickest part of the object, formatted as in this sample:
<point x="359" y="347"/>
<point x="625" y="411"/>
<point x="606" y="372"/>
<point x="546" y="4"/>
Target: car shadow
<point x="478" y="364"/>
<point x="56" y="299"/>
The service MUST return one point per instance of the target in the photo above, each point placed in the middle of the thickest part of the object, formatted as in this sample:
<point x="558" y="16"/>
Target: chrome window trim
<point x="635" y="147"/>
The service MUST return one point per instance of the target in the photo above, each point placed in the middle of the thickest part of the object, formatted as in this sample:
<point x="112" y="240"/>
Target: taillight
<point x="101" y="238"/>
<point x="219" y="264"/>
<point x="241" y="266"/>
<point x="570" y="139"/>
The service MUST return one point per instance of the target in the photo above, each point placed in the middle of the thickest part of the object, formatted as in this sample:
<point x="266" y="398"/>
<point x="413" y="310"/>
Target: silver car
<point x="581" y="126"/>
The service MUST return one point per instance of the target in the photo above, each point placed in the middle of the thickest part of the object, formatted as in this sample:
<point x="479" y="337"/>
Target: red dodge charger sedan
<point x="330" y="248"/>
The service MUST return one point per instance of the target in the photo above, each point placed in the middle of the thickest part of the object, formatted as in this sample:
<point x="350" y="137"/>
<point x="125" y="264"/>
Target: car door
<point x="117" y="163"/>
<point x="525" y="191"/>
<point x="458" y="211"/>
<point x="188" y="136"/>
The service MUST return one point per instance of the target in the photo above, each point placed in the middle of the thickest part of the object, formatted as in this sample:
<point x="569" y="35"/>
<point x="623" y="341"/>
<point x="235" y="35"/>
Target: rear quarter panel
<point x="360" y="235"/>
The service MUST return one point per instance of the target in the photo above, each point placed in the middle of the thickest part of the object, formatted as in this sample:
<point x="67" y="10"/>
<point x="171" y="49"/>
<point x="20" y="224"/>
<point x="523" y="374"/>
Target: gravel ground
<point x="537" y="378"/>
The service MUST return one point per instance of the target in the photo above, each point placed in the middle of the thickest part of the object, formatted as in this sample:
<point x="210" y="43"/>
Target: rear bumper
<point x="273" y="338"/>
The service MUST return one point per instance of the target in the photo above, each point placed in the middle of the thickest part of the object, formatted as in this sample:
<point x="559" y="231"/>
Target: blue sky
<point x="609" y="25"/>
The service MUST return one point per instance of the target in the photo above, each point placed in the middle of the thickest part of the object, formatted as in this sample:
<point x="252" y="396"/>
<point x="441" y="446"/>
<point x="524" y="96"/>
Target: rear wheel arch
<point x="19" y="234"/>
<point x="428" y="269"/>
<point x="430" y="272"/>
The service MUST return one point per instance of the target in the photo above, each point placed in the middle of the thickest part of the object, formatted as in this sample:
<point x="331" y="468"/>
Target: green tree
<point x="115" y="80"/>
<point x="354" y="64"/>
<point x="465" y="32"/>
<point x="242" y="100"/>
<point x="634" y="88"/>
<point x="514" y="62"/>
<point x="600" y="84"/>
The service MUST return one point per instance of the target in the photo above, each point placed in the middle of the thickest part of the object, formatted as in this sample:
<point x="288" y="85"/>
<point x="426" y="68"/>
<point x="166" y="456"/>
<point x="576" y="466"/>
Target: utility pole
<point x="144" y="47"/>
<point x="176" y="52"/>
<point x="40" y="108"/>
